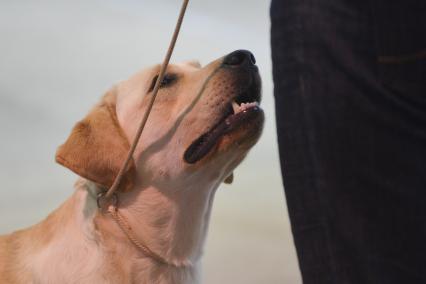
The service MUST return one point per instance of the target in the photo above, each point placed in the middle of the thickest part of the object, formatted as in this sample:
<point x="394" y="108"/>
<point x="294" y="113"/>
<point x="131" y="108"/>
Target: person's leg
<point x="350" y="91"/>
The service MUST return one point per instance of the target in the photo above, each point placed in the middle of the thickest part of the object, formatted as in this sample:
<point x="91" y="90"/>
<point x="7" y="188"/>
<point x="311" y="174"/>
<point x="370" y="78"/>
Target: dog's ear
<point x="97" y="146"/>
<point x="229" y="179"/>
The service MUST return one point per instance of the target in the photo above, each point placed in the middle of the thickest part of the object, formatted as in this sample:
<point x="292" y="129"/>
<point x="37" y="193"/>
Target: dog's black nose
<point x="239" y="57"/>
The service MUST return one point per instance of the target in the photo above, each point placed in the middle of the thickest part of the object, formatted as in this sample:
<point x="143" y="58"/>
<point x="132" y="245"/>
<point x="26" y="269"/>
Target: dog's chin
<point x="239" y="130"/>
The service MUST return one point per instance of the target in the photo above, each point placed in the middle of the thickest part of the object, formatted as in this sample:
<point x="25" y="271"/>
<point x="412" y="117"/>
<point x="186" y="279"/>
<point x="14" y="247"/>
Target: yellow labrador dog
<point x="203" y="123"/>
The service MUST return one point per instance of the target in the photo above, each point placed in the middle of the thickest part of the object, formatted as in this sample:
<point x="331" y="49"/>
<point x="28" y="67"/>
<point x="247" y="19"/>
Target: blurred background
<point x="56" y="60"/>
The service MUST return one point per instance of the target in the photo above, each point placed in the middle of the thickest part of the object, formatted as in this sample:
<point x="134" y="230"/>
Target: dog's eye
<point x="168" y="79"/>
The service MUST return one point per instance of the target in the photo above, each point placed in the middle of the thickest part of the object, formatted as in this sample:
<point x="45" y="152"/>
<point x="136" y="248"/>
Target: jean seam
<point x="401" y="59"/>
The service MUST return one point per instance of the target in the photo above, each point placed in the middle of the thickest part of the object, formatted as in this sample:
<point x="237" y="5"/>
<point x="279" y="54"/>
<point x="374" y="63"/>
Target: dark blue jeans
<point x="350" y="92"/>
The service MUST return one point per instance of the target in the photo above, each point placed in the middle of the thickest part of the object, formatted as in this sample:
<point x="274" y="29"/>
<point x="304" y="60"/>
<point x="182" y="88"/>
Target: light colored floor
<point x="57" y="58"/>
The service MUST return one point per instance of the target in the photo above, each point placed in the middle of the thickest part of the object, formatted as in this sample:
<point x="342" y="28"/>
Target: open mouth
<point x="242" y="109"/>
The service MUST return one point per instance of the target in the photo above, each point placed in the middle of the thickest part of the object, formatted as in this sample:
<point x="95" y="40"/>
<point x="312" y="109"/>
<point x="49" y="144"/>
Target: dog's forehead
<point x="191" y="64"/>
<point x="182" y="67"/>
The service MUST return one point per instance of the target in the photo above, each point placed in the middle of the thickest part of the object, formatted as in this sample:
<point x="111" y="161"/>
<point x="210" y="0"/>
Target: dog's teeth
<point x="235" y="107"/>
<point x="245" y="106"/>
<point x="239" y="108"/>
<point x="253" y="104"/>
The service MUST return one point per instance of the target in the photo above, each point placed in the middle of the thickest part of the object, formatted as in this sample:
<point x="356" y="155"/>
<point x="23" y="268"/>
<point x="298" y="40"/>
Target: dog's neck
<point x="78" y="243"/>
<point x="172" y="223"/>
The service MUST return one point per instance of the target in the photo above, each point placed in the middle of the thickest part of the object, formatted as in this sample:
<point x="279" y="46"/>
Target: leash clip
<point x="103" y="202"/>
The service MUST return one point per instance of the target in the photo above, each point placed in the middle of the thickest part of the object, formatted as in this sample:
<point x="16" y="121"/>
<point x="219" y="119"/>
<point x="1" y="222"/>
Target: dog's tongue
<point x="202" y="146"/>
<point x="205" y="143"/>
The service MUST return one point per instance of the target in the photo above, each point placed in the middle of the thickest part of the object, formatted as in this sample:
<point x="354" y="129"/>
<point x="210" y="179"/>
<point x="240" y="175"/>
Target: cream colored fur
<point x="167" y="201"/>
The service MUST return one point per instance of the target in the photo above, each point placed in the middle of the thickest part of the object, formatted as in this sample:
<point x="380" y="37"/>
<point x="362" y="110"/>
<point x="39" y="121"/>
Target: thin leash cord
<point x="126" y="163"/>
<point x="113" y="207"/>
<point x="127" y="229"/>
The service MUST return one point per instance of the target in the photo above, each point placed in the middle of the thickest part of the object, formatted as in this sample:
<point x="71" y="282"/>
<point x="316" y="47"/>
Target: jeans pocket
<point x="401" y="46"/>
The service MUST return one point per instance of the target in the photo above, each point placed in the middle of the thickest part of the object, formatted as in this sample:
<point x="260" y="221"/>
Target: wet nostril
<point x="239" y="57"/>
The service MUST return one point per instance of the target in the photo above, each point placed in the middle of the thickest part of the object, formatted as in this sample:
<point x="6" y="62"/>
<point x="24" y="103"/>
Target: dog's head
<point x="203" y="123"/>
